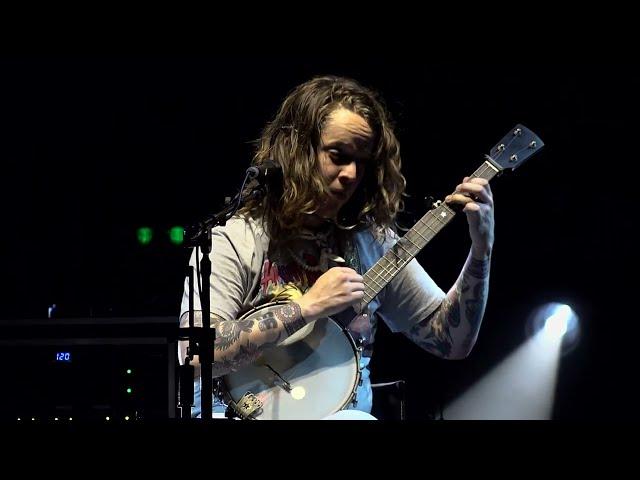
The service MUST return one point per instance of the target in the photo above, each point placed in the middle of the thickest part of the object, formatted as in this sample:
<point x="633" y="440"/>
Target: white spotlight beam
<point x="521" y="387"/>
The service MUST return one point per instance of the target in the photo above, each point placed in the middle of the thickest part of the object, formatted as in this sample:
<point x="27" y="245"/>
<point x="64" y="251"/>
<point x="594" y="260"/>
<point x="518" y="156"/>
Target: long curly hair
<point x="292" y="140"/>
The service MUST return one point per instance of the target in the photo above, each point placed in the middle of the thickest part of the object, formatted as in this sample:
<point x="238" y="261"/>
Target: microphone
<point x="266" y="172"/>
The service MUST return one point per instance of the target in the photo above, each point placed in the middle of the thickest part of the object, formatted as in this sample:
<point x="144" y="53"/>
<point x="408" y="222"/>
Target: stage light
<point x="176" y="235"/>
<point x="555" y="323"/>
<point x="144" y="234"/>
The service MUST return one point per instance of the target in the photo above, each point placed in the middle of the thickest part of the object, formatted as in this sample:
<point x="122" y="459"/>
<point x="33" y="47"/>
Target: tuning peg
<point x="431" y="202"/>
<point x="428" y="200"/>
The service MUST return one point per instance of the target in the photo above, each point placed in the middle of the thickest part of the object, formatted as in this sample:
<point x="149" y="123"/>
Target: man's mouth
<point x="342" y="194"/>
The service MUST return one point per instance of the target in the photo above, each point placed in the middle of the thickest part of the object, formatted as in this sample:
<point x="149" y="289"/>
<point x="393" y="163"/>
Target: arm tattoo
<point x="228" y="332"/>
<point x="475" y="304"/>
<point x="432" y="333"/>
<point x="451" y="330"/>
<point x="291" y="316"/>
<point x="474" y="293"/>
<point x="451" y="310"/>
<point x="267" y="322"/>
<point x="242" y="341"/>
<point x="478" y="268"/>
<point x="246" y="354"/>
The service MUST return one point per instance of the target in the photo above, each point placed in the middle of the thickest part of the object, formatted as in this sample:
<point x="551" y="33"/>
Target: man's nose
<point x="349" y="172"/>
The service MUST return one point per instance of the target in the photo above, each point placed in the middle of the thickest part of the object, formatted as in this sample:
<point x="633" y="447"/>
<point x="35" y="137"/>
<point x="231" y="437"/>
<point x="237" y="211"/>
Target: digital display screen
<point x="63" y="357"/>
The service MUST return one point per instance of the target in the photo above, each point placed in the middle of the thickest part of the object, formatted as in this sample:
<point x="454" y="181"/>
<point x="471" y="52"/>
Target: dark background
<point x="94" y="147"/>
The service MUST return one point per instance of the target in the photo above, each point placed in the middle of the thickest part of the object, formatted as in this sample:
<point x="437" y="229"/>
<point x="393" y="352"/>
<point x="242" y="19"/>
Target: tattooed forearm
<point x="240" y="342"/>
<point x="451" y="331"/>
<point x="474" y="292"/>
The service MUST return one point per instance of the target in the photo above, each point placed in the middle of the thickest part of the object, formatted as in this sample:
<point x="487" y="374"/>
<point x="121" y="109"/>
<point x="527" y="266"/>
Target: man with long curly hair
<point x="311" y="240"/>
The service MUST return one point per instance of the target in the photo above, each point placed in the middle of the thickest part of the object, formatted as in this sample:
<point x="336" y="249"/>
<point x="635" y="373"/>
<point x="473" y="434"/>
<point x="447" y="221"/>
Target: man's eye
<point x="338" y="157"/>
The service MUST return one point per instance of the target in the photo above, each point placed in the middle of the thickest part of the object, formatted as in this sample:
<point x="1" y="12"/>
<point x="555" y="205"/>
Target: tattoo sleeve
<point x="241" y="342"/>
<point x="452" y="329"/>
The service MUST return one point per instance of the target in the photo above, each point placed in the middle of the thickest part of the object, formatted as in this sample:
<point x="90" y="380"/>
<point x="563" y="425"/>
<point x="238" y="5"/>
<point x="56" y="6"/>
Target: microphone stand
<point x="201" y="339"/>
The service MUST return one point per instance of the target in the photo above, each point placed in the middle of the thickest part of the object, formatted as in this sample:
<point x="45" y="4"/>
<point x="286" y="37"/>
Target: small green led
<point x="145" y="234"/>
<point x="176" y="235"/>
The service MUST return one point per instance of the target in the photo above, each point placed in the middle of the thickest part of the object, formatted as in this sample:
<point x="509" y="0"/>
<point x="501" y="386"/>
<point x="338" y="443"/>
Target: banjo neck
<point x="509" y="153"/>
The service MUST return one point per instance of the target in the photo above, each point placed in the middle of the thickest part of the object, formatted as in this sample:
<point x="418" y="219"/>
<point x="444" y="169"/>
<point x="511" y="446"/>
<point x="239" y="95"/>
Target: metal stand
<point x="201" y="339"/>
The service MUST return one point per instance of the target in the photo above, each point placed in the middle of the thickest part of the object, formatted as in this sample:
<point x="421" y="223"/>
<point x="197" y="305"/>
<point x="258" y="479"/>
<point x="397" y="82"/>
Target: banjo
<point x="315" y="373"/>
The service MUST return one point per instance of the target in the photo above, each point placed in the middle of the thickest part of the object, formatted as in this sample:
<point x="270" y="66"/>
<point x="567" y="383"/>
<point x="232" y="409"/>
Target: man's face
<point x="346" y="147"/>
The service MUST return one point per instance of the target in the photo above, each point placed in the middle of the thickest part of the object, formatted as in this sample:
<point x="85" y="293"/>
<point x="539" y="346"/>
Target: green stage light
<point x="145" y="234"/>
<point x="176" y="235"/>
